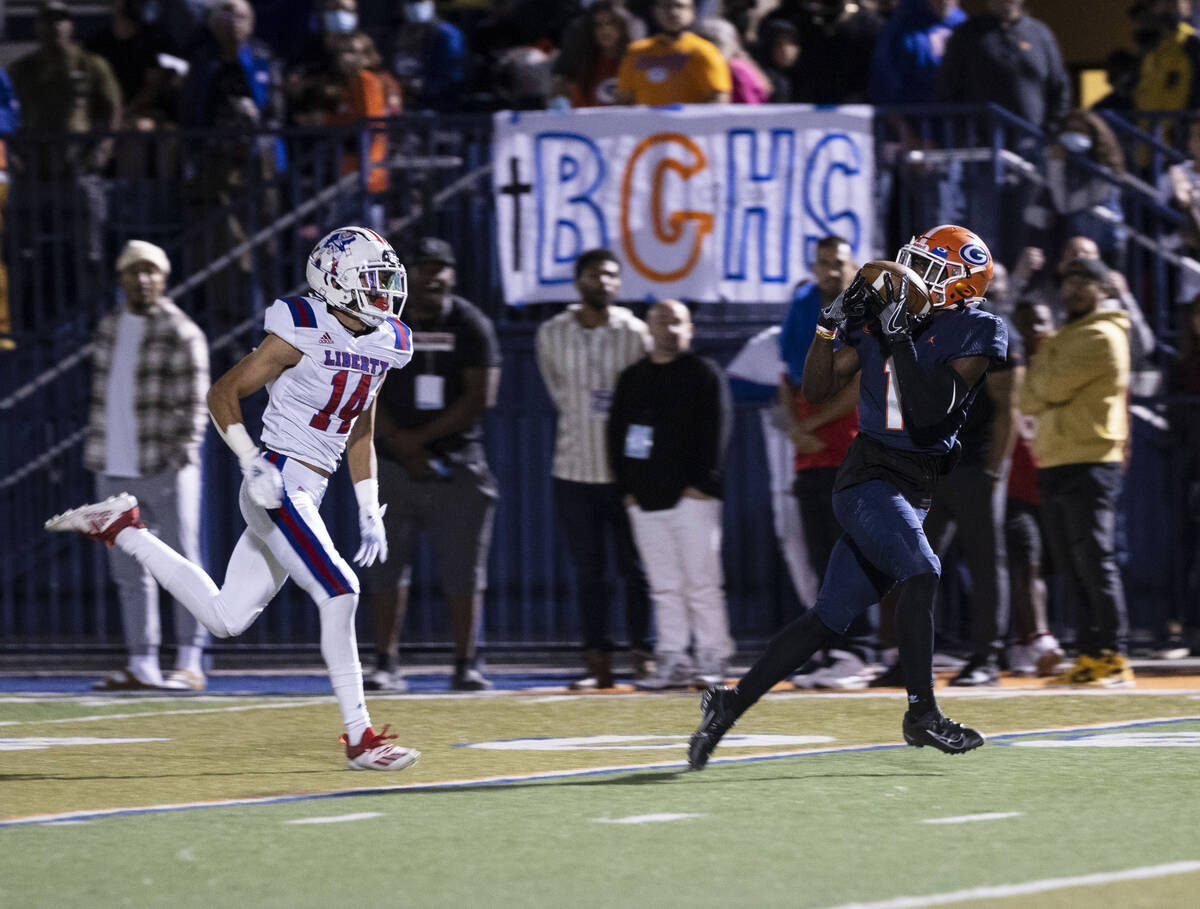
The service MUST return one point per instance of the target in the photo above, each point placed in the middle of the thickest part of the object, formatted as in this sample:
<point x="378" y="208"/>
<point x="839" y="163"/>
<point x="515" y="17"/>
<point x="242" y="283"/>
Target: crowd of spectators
<point x="243" y="66"/>
<point x="151" y="58"/>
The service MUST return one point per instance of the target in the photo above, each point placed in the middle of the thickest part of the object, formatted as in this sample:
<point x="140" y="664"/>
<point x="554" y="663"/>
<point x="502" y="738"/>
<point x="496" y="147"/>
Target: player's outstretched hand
<point x="374" y="537"/>
<point x="264" y="482"/>
<point x="848" y="304"/>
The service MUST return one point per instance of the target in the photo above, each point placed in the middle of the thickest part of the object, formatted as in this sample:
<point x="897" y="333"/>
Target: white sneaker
<point x="100" y="521"/>
<point x="382" y="680"/>
<point x="374" y="752"/>
<point x="1047" y="654"/>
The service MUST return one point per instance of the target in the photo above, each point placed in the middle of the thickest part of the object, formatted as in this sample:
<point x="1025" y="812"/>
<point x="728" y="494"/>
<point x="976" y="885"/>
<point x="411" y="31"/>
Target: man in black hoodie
<point x="667" y="433"/>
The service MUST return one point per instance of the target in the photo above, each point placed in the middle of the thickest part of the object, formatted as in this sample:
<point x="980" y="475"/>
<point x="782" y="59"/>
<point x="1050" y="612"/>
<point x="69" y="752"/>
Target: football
<point x="918" y="293"/>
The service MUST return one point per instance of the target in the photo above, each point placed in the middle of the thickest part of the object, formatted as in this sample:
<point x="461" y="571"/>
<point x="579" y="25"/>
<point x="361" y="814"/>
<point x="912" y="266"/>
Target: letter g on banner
<point x="669" y="229"/>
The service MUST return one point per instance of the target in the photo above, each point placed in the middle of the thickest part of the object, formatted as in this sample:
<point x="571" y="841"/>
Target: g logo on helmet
<point x="974" y="254"/>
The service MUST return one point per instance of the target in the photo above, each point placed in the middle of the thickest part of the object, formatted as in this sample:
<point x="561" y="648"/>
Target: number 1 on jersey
<point x="353" y="407"/>
<point x="894" y="418"/>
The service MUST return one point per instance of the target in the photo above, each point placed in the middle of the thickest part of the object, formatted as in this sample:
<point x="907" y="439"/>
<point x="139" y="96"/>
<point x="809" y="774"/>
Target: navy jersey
<point x="950" y="335"/>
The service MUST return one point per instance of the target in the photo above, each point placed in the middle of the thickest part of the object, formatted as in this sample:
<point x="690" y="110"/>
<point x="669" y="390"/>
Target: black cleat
<point x="939" y="731"/>
<point x="718" y="717"/>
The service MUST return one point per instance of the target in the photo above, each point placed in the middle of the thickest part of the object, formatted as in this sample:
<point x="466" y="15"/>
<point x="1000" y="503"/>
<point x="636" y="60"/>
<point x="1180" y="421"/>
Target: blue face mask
<point x="419" y="12"/>
<point x="1076" y="142"/>
<point x="340" y="21"/>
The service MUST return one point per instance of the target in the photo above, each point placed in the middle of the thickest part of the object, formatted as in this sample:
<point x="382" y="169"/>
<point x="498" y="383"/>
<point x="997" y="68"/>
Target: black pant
<point x="813" y="489"/>
<point x="969" y="505"/>
<point x="593" y="518"/>
<point x="1079" y="511"/>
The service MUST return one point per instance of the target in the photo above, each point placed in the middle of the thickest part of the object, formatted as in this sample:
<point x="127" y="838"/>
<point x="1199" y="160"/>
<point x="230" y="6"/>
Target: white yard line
<point x="337" y="818"/>
<point x="644" y="818"/>
<point x="968" y="818"/>
<point x="438" y="785"/>
<point x="1000" y="891"/>
<point x="153" y="715"/>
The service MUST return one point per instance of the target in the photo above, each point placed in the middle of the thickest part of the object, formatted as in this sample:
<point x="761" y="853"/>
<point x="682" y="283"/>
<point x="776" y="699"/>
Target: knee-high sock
<point x="339" y="647"/>
<point x="914" y="629"/>
<point x="785" y="654"/>
<point x="186" y="582"/>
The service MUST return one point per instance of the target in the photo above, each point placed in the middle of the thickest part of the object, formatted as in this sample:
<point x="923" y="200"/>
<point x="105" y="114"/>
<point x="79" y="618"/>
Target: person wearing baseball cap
<point x="146" y="425"/>
<point x="1077" y="385"/>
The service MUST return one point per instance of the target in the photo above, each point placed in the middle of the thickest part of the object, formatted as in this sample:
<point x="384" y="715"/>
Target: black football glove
<point x="891" y="308"/>
<point x="846" y="305"/>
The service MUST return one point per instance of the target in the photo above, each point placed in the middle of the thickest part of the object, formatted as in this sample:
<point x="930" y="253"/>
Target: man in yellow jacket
<point x="1077" y="385"/>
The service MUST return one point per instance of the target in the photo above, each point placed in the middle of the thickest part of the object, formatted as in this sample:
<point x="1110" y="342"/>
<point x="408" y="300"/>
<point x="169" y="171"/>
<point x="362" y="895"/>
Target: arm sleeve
<point x="952" y="74"/>
<point x="1058" y="83"/>
<point x="278" y="321"/>
<point x="614" y="432"/>
<point x="1059" y="371"/>
<point x="549" y="369"/>
<point x="714" y="425"/>
<point x="927" y="395"/>
<point x="714" y="71"/>
<point x="625" y="74"/>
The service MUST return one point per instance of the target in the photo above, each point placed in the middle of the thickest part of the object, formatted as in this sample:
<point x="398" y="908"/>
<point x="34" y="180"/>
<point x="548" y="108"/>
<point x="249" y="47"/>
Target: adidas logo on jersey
<point x="325" y="339"/>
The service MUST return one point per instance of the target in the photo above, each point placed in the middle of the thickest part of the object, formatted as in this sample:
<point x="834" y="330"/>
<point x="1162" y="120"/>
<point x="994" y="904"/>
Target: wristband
<point x="826" y="334"/>
<point x="239" y="441"/>
<point x="367" y="493"/>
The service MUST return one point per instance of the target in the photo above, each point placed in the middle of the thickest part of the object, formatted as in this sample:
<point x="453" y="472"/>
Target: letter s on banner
<point x="670" y="231"/>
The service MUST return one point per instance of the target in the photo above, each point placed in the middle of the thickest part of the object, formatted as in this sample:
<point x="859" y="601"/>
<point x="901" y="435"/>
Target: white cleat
<point x="100" y="521"/>
<point x="375" y="752"/>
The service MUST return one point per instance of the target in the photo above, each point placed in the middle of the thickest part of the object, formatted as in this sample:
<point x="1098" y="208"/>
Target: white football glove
<point x="374" y="537"/>
<point x="370" y="524"/>
<point x="264" y="482"/>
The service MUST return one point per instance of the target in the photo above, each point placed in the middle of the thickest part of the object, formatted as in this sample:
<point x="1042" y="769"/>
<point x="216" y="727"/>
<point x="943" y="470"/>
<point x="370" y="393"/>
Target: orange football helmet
<point x="955" y="263"/>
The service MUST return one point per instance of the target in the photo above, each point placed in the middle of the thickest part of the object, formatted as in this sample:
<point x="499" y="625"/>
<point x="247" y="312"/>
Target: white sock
<point x="339" y="647"/>
<point x="145" y="669"/>
<point x="187" y="583"/>
<point x="188" y="658"/>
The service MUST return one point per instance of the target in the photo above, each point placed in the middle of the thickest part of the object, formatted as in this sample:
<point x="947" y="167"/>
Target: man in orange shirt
<point x="674" y="66"/>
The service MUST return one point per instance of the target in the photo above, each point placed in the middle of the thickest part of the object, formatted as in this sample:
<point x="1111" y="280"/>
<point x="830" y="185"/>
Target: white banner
<point x="704" y="202"/>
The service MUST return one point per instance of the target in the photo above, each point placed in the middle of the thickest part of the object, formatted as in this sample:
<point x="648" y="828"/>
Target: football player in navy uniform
<point x="919" y="375"/>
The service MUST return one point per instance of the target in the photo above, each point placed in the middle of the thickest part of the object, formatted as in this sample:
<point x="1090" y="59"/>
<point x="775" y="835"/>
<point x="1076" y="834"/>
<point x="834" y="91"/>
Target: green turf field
<point x="588" y="804"/>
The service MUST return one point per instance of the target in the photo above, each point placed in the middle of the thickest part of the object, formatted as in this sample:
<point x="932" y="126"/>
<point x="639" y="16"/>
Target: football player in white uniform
<point x="322" y="361"/>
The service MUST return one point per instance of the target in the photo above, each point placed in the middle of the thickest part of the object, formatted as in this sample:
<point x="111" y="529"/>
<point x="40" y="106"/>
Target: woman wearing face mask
<point x="1078" y="201"/>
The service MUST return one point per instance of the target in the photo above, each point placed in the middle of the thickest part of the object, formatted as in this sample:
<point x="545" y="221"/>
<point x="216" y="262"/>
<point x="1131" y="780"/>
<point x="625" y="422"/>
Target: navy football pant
<point x="883" y="543"/>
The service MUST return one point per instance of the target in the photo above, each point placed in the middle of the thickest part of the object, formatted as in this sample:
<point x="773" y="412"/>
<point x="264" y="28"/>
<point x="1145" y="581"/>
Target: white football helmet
<point x="357" y="271"/>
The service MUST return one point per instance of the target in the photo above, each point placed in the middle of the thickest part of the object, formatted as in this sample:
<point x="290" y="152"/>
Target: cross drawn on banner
<point x="516" y="189"/>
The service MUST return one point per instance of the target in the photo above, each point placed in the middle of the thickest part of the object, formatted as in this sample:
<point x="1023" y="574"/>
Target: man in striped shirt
<point x="580" y="353"/>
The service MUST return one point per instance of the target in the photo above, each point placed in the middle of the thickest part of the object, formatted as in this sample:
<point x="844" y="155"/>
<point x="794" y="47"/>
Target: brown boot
<point x="643" y="664"/>
<point x="599" y="672"/>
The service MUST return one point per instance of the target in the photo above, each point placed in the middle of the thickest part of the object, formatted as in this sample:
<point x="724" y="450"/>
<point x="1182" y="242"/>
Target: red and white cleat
<point x="375" y="753"/>
<point x="100" y="521"/>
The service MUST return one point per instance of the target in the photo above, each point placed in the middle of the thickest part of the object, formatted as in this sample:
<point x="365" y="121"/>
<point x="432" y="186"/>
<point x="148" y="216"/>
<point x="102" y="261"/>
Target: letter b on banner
<point x="568" y="170"/>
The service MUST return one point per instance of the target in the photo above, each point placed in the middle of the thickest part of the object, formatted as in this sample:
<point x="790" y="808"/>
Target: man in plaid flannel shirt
<point x="145" y="428"/>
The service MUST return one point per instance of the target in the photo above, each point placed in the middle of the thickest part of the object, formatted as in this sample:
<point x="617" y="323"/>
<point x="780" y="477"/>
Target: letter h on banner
<point x="758" y="204"/>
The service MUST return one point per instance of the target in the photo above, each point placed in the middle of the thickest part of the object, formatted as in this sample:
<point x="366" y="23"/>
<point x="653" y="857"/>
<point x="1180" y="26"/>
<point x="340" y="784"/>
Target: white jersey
<point x="314" y="404"/>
